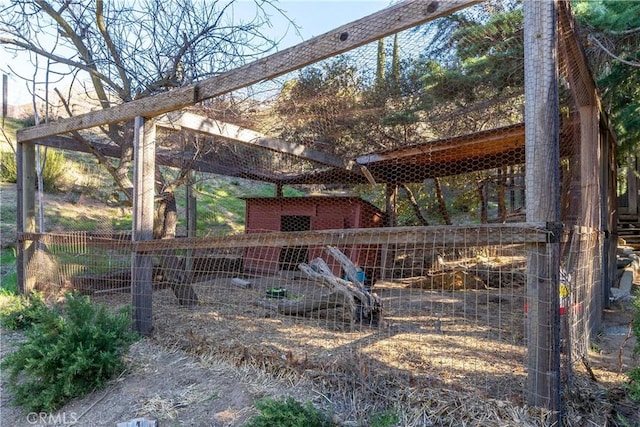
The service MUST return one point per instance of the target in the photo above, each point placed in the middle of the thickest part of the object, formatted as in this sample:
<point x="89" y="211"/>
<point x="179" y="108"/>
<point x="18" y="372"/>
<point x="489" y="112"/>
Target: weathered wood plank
<point x="366" y="30"/>
<point x="467" y="236"/>
<point x="233" y="133"/>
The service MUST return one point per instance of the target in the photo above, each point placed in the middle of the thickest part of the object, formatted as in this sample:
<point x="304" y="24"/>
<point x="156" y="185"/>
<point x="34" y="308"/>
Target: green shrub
<point x="8" y="168"/>
<point x="54" y="175"/>
<point x="287" y="413"/>
<point x="70" y="349"/>
<point x="20" y="312"/>
<point x="8" y="273"/>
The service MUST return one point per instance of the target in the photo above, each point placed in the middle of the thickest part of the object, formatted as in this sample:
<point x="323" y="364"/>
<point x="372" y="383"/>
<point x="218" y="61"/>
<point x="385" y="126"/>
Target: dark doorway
<point x="291" y="256"/>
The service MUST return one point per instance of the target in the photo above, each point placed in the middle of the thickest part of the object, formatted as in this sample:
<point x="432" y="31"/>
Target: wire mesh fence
<point x="447" y="309"/>
<point x="363" y="219"/>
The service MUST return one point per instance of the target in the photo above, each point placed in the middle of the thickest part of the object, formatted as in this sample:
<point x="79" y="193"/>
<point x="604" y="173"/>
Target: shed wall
<point x="326" y="213"/>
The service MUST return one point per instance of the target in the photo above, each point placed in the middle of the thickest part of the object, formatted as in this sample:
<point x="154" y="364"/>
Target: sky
<point x="314" y="17"/>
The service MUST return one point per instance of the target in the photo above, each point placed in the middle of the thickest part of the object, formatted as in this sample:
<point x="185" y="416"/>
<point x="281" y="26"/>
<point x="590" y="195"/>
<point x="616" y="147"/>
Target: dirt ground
<point x="197" y="388"/>
<point x="206" y="366"/>
<point x="168" y="385"/>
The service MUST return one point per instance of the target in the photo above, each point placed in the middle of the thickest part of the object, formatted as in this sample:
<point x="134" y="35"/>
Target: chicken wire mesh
<point x="361" y="220"/>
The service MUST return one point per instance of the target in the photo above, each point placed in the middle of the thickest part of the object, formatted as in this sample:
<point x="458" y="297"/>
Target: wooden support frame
<point x="541" y="151"/>
<point x="26" y="216"/>
<point x="396" y="18"/>
<point x="442" y="235"/>
<point x="230" y="132"/>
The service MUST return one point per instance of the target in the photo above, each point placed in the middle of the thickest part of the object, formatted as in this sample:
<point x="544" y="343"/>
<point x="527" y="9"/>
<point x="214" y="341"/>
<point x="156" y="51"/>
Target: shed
<point x="288" y="214"/>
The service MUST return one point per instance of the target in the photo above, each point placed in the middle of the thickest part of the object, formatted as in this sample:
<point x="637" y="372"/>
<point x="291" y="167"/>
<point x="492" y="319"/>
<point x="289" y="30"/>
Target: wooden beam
<point x="396" y="18"/>
<point x="489" y="142"/>
<point x="439" y="235"/>
<point x="230" y="132"/>
<point x="26" y="215"/>
<point x="163" y="157"/>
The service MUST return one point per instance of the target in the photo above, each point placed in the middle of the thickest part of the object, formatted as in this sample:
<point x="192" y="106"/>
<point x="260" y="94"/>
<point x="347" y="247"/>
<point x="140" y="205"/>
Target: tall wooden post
<point x="388" y="251"/>
<point x="26" y="215"/>
<point x="5" y="95"/>
<point x="192" y="218"/>
<point x="543" y="202"/>
<point x="143" y="209"/>
<point x="591" y="202"/>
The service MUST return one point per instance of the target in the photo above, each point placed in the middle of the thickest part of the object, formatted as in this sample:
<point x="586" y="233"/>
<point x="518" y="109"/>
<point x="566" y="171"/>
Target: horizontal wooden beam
<point x="163" y="157"/>
<point x="458" y="148"/>
<point x="396" y="18"/>
<point x="431" y="236"/>
<point x="230" y="132"/>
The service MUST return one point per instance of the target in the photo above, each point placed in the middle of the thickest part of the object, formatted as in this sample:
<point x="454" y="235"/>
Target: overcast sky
<point x="314" y="17"/>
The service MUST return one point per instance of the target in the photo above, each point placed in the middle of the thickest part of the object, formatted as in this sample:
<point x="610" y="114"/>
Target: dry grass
<point x="470" y="374"/>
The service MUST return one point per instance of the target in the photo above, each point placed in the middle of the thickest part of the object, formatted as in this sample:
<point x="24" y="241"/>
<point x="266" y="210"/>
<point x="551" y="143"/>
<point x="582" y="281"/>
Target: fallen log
<point x="304" y="307"/>
<point x="365" y="308"/>
<point x="174" y="272"/>
<point x="368" y="304"/>
<point x="359" y="306"/>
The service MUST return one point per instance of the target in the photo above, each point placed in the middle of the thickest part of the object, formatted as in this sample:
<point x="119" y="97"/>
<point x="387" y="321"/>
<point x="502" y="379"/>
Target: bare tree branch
<point x="597" y="42"/>
<point x="47" y="54"/>
<point x="126" y="90"/>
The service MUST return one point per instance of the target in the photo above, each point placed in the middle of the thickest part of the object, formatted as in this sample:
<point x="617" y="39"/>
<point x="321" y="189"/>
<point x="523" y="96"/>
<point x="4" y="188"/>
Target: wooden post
<point x="192" y="219"/>
<point x="590" y="163"/>
<point x="591" y="200"/>
<point x="192" y="213"/>
<point x="608" y="213"/>
<point x="387" y="252"/>
<point x="632" y="186"/>
<point x="26" y="215"/>
<point x="143" y="209"/>
<point x="5" y="94"/>
<point x="543" y="204"/>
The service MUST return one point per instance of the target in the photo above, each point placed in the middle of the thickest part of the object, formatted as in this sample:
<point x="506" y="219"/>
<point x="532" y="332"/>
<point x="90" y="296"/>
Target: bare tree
<point x="128" y="50"/>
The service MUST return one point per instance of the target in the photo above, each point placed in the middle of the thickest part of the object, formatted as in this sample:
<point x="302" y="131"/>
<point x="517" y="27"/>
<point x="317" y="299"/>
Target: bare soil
<point x="208" y="364"/>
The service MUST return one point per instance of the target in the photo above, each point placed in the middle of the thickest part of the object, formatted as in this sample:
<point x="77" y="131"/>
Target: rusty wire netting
<point x="406" y="156"/>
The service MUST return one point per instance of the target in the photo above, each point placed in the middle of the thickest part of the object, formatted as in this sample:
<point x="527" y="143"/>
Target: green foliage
<point x="8" y="167"/>
<point x="8" y="275"/>
<point x="69" y="351"/>
<point x="55" y="164"/>
<point x="634" y="374"/>
<point x="19" y="311"/>
<point x="614" y="25"/>
<point x="287" y="413"/>
<point x="386" y="418"/>
<point x="53" y="175"/>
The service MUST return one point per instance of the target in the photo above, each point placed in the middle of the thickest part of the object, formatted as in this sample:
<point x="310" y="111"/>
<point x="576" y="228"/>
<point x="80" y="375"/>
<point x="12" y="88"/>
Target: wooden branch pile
<point x="362" y="307"/>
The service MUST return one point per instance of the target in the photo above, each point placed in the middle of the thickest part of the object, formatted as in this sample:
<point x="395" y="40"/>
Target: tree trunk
<point x="441" y="202"/>
<point x="360" y="306"/>
<point x="306" y="306"/>
<point x="176" y="275"/>
<point x="502" y="207"/>
<point x="365" y="307"/>
<point x="414" y="204"/>
<point x="166" y="217"/>
<point x="483" y="202"/>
